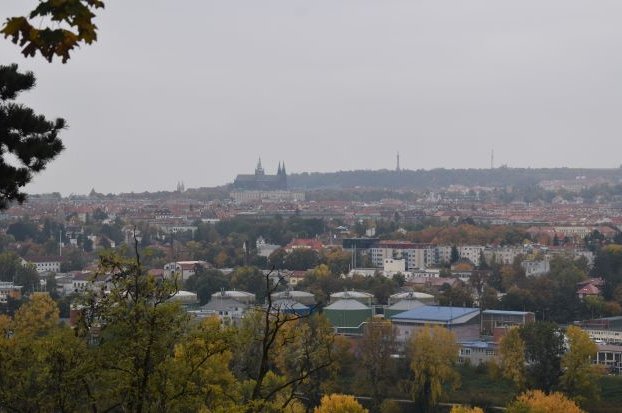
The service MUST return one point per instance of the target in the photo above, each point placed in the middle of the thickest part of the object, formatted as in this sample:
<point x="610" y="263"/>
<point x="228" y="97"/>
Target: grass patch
<point x="610" y="396"/>
<point x="480" y="389"/>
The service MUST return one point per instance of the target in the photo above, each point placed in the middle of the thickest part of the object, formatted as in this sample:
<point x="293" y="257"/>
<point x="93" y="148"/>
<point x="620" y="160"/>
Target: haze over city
<point x="330" y="206"/>
<point x="197" y="91"/>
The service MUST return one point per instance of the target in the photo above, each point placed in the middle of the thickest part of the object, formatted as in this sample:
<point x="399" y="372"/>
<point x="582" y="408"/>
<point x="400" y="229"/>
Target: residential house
<point x="44" y="265"/>
<point x="9" y="290"/>
<point x="184" y="269"/>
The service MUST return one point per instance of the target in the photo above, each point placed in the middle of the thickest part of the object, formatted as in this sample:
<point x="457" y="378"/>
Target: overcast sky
<point x="197" y="90"/>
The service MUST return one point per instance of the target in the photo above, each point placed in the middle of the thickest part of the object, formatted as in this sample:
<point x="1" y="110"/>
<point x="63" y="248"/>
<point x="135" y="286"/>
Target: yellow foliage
<point x="38" y="315"/>
<point x="321" y="271"/>
<point x="339" y="403"/>
<point x="464" y="409"/>
<point x="536" y="401"/>
<point x="512" y="349"/>
<point x="433" y="352"/>
<point x="5" y="326"/>
<point x="580" y="375"/>
<point x="613" y="249"/>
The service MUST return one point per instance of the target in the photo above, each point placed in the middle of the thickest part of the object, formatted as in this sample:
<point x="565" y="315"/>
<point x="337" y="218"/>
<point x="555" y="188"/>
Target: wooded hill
<point x="438" y="178"/>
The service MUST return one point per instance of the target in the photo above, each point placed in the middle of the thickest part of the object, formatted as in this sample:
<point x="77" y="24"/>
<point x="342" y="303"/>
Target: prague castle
<point x="262" y="182"/>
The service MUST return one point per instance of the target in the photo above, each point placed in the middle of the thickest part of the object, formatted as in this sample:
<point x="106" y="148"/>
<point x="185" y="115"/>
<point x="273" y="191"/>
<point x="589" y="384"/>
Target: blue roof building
<point x="464" y="322"/>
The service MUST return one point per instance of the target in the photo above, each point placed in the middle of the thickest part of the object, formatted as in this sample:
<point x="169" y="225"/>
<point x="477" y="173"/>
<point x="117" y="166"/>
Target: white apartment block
<point x="378" y="255"/>
<point x="43" y="266"/>
<point x="577" y="232"/>
<point x="443" y="254"/>
<point x="502" y="255"/>
<point x="394" y="265"/>
<point x="472" y="253"/>
<point x="536" y="268"/>
<point x="415" y="258"/>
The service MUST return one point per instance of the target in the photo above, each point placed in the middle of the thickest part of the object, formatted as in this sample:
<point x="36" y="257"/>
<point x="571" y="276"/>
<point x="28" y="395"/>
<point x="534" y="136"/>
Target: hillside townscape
<point x="145" y="266"/>
<point x="512" y="285"/>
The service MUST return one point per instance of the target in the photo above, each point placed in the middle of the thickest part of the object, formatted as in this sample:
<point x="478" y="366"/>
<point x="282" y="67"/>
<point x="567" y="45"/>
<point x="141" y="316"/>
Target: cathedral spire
<point x="259" y="170"/>
<point x="283" y="169"/>
<point x="278" y="171"/>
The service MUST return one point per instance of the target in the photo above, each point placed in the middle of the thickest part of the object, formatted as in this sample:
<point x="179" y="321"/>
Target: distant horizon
<point x="206" y="87"/>
<point x="269" y="172"/>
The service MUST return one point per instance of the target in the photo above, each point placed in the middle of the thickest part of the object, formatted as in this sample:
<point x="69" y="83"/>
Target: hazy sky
<point x="197" y="90"/>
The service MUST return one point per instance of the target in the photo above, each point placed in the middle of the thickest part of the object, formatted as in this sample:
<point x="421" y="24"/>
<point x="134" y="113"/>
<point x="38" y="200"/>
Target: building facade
<point x="259" y="181"/>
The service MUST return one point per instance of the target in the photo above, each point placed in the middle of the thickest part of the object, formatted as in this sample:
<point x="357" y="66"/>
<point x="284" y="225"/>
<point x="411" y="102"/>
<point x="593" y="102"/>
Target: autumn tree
<point x="37" y="316"/>
<point x="206" y="282"/>
<point x="512" y="350"/>
<point x="536" y="401"/>
<point x="301" y="259"/>
<point x="580" y="377"/>
<point x="608" y="264"/>
<point x="458" y="295"/>
<point x="197" y="376"/>
<point x="249" y="279"/>
<point x="137" y="331"/>
<point x="278" y="353"/>
<point x="339" y="403"/>
<point x="337" y="260"/>
<point x="544" y="346"/>
<point x="27" y="141"/>
<point x="321" y="282"/>
<point x="69" y="24"/>
<point x="377" y="349"/>
<point x="45" y="367"/>
<point x="305" y="357"/>
<point x="433" y="353"/>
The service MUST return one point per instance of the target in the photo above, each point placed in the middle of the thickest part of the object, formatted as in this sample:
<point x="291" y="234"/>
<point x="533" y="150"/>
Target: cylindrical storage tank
<point x="301" y="297"/>
<point x="400" y="307"/>
<point x="360" y="296"/>
<point x="239" y="296"/>
<point x="348" y="315"/>
<point x="185" y="297"/>
<point x="426" y="299"/>
<point x="289" y="306"/>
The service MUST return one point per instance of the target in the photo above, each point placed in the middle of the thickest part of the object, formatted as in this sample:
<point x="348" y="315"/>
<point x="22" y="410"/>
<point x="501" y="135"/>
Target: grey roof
<point x="437" y="314"/>
<point x="412" y="295"/>
<point x="503" y="312"/>
<point x="288" y="304"/>
<point x="347" y="304"/>
<point x="292" y="293"/>
<point x="233" y="293"/>
<point x="219" y="304"/>
<point x="405" y="305"/>
<point x="351" y="294"/>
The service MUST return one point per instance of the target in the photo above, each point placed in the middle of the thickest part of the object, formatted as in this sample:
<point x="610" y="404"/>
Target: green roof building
<point x="348" y="315"/>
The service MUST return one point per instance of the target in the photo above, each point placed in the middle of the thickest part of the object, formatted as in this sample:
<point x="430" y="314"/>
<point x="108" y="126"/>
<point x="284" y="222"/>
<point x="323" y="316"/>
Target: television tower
<point x="492" y="158"/>
<point x="397" y="168"/>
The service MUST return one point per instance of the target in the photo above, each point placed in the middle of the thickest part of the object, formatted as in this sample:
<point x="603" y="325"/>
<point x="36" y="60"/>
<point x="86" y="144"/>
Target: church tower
<point x="282" y="176"/>
<point x="259" y="169"/>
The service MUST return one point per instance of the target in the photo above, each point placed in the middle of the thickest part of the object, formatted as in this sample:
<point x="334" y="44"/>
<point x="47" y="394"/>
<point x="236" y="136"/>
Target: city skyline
<point x="202" y="90"/>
